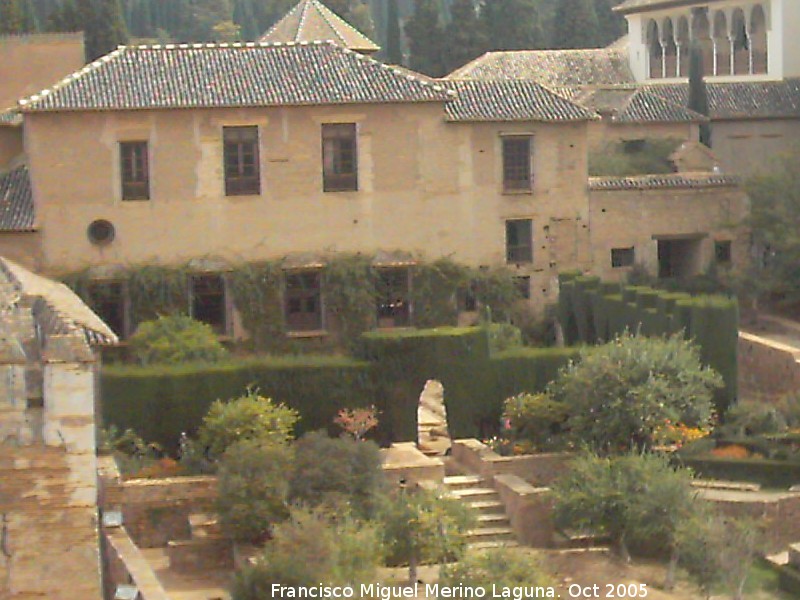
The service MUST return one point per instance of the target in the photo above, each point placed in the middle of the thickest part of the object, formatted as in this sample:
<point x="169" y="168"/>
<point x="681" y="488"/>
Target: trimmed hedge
<point x="789" y="579"/>
<point x="592" y="312"/>
<point x="769" y="473"/>
<point x="160" y="402"/>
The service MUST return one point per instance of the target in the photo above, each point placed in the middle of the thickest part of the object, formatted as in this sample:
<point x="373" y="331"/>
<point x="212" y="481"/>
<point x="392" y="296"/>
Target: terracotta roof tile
<point x="232" y="75"/>
<point x="16" y="201"/>
<point x="741" y="100"/>
<point x="670" y="181"/>
<point x="310" y="21"/>
<point x="553" y="68"/>
<point x="635" y="105"/>
<point x="510" y="101"/>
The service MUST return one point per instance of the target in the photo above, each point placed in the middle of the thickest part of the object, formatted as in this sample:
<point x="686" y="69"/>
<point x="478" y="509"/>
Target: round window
<point x="101" y="232"/>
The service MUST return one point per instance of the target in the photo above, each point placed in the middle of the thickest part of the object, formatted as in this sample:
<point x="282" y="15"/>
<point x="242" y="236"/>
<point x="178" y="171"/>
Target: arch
<point x="670" y="49"/>
<point x="683" y="42"/>
<point x="740" y="43"/>
<point x="701" y="35"/>
<point x="722" y="45"/>
<point x="758" y="40"/>
<point x="655" y="51"/>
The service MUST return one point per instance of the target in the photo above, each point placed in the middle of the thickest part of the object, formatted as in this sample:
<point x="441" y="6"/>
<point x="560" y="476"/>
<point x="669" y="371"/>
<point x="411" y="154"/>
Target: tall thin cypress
<point x="698" y="94"/>
<point x="394" y="50"/>
<point x="426" y="39"/>
<point x="575" y="25"/>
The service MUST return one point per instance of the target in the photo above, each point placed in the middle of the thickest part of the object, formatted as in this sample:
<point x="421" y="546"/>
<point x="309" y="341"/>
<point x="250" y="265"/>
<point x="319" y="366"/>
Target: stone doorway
<point x="433" y="435"/>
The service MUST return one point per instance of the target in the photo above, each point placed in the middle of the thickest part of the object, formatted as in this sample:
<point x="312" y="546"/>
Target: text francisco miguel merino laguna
<point x="430" y="590"/>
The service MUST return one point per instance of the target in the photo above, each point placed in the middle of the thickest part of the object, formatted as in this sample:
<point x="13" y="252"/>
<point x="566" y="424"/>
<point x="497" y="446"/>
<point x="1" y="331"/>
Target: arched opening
<point x="740" y="43"/>
<point x="701" y="35"/>
<point x="433" y="434"/>
<point x="722" y="45"/>
<point x="670" y="49"/>
<point x="655" y="51"/>
<point x="758" y="40"/>
<point x="683" y="47"/>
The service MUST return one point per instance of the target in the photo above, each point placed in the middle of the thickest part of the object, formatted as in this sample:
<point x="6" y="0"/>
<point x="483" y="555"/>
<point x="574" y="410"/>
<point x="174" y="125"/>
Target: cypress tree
<point x="65" y="18"/>
<point x="512" y="25"/>
<point x="10" y="17"/>
<point x="611" y="25"/>
<point x="425" y="39"/>
<point x="575" y="25"/>
<point x="104" y="26"/>
<point x="30" y="20"/>
<point x="466" y="38"/>
<point x="340" y="7"/>
<point x="394" y="51"/>
<point x="698" y="94"/>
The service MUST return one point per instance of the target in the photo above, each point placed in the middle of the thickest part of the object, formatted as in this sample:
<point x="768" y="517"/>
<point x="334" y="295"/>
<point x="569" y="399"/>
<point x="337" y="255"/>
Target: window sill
<point x="315" y="333"/>
<point x="339" y="191"/>
<point x="517" y="192"/>
<point x="247" y="196"/>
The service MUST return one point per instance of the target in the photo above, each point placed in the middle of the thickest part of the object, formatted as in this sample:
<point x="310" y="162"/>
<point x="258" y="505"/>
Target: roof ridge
<point x="279" y="21"/>
<point x="92" y="66"/>
<point x="322" y="10"/>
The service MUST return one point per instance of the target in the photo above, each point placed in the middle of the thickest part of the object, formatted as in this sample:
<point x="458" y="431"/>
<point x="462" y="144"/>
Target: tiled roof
<point x="232" y="75"/>
<point x="311" y="21"/>
<point x="635" y="105"/>
<point x="667" y="181"/>
<point x="553" y="68"/>
<point x="16" y="201"/>
<point x="741" y="100"/>
<point x="510" y="101"/>
<point x="10" y="117"/>
<point x="632" y="6"/>
<point x="66" y="312"/>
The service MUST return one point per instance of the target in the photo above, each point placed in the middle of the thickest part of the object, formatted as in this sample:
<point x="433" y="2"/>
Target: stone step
<point x="457" y="482"/>
<point x="493" y="520"/>
<point x="491" y="534"/>
<point x="202" y="525"/>
<point x="474" y="494"/>
<point x="483" y="507"/>
<point x="489" y="545"/>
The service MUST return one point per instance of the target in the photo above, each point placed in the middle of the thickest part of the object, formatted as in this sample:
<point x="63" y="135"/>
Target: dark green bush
<point x="536" y="418"/>
<point x="618" y="159"/>
<point x="336" y="472"/>
<point x="769" y="473"/>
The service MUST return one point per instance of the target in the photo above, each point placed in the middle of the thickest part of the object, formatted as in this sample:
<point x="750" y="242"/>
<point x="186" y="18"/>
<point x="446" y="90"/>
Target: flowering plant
<point x="357" y="421"/>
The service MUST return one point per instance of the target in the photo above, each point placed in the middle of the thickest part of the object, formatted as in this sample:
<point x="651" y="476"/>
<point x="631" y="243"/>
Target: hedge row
<point x="391" y="369"/>
<point x="591" y="312"/>
<point x="769" y="473"/>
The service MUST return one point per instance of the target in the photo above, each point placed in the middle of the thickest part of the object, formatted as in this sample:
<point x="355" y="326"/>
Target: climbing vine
<point x="350" y="296"/>
<point x="256" y="289"/>
<point x="435" y="291"/>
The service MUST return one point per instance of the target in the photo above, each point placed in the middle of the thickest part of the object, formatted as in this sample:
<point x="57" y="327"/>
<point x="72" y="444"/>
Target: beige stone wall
<point x="23" y="248"/>
<point x="425" y="186"/>
<point x="747" y="147"/>
<point x="30" y="63"/>
<point x="10" y="144"/>
<point x="630" y="218"/>
<point x="604" y="132"/>
<point x="767" y="366"/>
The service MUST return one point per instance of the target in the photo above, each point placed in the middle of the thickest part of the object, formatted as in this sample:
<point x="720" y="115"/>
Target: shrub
<point x="253" y="488"/>
<point x="504" y="336"/>
<point x="175" y="339"/>
<point x="536" y="418"/>
<point x="620" y="160"/>
<point x="499" y="567"/>
<point x="620" y="394"/>
<point x="310" y="548"/>
<point x="250" y="417"/>
<point x="336" y="471"/>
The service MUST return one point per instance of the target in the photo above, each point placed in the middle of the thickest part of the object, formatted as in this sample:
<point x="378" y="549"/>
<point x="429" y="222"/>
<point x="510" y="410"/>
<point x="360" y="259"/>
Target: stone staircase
<point x="493" y="527"/>
<point x="207" y="549"/>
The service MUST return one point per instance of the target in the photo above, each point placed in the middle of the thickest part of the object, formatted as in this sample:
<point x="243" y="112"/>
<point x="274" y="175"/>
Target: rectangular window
<point x="242" y="172"/>
<point x="622" y="257"/>
<point x="208" y="301"/>
<point x="303" y="301"/>
<point x="339" y="157"/>
<point x="134" y="171"/>
<point x="517" y="174"/>
<point x="394" y="297"/>
<point x="519" y="241"/>
<point x="107" y="299"/>
<point x="722" y="252"/>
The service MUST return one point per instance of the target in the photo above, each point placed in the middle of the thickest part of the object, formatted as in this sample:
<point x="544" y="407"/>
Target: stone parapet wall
<point x="539" y="470"/>
<point x="529" y="509"/>
<point x="127" y="566"/>
<point x="767" y="366"/>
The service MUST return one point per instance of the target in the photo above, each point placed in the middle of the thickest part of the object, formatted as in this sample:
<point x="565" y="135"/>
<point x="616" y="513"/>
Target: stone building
<point x="751" y="51"/>
<point x="48" y="480"/>
<point x="207" y="155"/>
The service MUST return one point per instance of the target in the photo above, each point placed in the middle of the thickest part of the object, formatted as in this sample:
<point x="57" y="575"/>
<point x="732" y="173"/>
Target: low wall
<point x="126" y="565"/>
<point x="777" y="514"/>
<point x="156" y="511"/>
<point x="539" y="470"/>
<point x="767" y="366"/>
<point x="529" y="509"/>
